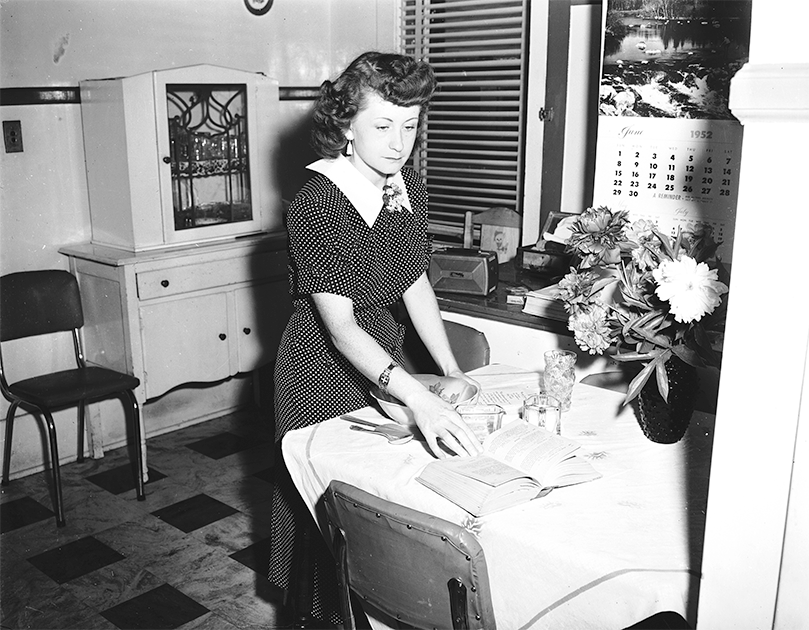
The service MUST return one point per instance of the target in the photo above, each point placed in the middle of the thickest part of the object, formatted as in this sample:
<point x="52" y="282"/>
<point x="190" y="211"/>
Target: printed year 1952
<point x="702" y="134"/>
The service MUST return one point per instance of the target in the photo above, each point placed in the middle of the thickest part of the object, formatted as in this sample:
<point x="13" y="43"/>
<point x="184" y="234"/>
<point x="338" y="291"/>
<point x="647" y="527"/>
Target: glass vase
<point x="665" y="422"/>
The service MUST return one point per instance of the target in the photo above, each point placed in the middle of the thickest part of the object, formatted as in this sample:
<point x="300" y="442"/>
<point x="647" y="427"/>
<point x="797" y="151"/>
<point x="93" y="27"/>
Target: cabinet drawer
<point x="207" y="275"/>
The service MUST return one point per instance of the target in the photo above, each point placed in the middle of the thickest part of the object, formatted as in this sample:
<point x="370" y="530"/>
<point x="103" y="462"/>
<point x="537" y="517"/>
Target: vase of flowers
<point x="646" y="298"/>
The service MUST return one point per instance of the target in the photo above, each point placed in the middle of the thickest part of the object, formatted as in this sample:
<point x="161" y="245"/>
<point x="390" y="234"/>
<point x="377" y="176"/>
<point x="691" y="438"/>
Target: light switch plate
<point x="12" y="136"/>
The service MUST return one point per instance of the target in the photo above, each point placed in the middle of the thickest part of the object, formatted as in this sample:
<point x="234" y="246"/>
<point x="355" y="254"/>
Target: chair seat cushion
<point x="70" y="386"/>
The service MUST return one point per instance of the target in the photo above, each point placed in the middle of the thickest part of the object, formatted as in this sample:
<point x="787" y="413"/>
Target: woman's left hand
<point x="439" y="424"/>
<point x="465" y="377"/>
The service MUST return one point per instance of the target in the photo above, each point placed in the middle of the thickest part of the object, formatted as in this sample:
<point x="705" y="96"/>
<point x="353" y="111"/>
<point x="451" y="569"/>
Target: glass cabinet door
<point x="209" y="156"/>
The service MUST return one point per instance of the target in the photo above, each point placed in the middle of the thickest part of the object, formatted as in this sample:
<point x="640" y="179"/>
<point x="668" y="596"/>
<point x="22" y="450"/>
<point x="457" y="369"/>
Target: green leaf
<point x="636" y="356"/>
<point x="626" y="330"/>
<point x="665" y="242"/>
<point x="638" y="382"/>
<point x="634" y="301"/>
<point x="704" y="253"/>
<point x="704" y="345"/>
<point x="641" y="321"/>
<point x="687" y="354"/>
<point x="662" y="379"/>
<point x="658" y="340"/>
<point x="601" y="284"/>
<point x="657" y="322"/>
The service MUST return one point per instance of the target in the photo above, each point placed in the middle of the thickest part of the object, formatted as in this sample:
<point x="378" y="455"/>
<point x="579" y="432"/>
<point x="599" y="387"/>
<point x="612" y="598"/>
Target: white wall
<point x="523" y="347"/>
<point x="43" y="197"/>
<point x="756" y="560"/>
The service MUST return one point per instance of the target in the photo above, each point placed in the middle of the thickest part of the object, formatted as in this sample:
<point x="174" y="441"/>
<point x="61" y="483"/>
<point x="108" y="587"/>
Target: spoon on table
<point x="389" y="429"/>
<point x="392" y="439"/>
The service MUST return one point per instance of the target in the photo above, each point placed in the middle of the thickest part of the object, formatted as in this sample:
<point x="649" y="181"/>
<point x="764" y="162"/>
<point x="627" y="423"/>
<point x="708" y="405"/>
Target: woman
<point x="358" y="244"/>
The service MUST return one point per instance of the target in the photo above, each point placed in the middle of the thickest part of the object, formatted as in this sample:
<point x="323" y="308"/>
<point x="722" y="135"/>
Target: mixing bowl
<point x="455" y="391"/>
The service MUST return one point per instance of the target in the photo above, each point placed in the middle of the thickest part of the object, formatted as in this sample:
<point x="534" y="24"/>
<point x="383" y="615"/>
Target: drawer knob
<point x="246" y="331"/>
<point x="164" y="283"/>
<point x="223" y="336"/>
<point x="166" y="159"/>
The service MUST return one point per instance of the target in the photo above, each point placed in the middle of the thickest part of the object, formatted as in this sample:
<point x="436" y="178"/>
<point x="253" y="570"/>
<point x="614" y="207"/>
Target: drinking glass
<point x="543" y="411"/>
<point x="560" y="375"/>
<point x="482" y="419"/>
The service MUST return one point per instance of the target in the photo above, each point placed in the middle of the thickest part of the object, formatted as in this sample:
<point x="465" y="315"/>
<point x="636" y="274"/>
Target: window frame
<point x="479" y="54"/>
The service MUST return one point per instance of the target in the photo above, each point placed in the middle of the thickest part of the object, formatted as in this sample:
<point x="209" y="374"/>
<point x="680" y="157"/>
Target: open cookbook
<point x="519" y="462"/>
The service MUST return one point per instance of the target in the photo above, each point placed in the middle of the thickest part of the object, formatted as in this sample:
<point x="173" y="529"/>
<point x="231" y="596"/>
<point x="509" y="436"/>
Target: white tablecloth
<point x="604" y="554"/>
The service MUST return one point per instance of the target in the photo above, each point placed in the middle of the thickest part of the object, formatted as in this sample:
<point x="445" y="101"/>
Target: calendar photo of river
<point x="672" y="58"/>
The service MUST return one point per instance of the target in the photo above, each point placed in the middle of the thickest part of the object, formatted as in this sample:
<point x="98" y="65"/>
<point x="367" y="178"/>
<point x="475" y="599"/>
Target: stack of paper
<point x="508" y="389"/>
<point x="544" y="303"/>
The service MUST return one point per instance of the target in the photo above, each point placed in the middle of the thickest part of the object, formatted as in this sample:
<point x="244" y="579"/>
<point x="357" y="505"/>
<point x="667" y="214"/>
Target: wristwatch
<point x="384" y="378"/>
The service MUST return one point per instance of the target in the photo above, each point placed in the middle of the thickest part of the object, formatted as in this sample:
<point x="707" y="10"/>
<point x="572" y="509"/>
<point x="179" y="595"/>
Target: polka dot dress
<point x="333" y="250"/>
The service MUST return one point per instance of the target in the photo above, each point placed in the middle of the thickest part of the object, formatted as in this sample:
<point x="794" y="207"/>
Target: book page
<point x="483" y="468"/>
<point x="506" y="399"/>
<point x="507" y="390"/>
<point x="519" y="463"/>
<point x="529" y="448"/>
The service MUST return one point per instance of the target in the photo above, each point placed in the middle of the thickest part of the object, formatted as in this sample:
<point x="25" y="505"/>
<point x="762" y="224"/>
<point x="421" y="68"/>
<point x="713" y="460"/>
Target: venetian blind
<point x="470" y="153"/>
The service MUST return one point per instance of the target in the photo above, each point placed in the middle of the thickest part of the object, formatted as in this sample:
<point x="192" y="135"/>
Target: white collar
<point x="362" y="194"/>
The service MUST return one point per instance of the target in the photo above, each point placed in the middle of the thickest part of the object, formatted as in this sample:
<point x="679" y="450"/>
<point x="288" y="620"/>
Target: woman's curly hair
<point x="398" y="79"/>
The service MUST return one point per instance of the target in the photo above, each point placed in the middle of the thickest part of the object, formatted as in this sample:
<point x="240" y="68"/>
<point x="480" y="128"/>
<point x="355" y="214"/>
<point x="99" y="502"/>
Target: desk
<point x="495" y="306"/>
<point x="604" y="554"/>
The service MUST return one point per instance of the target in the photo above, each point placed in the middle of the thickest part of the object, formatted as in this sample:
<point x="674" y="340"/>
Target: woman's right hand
<point x="437" y="419"/>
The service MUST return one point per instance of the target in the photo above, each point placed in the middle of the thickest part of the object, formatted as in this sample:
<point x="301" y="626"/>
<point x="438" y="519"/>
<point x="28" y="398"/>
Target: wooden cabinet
<point x="182" y="155"/>
<point x="184" y="280"/>
<point x="256" y="335"/>
<point x="184" y="340"/>
<point x="183" y="315"/>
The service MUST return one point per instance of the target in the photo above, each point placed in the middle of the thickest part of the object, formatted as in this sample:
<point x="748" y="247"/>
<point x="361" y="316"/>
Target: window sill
<point x="495" y="307"/>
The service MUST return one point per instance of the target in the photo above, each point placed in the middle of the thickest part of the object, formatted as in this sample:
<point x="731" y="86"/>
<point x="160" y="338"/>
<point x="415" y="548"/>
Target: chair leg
<point x="134" y="417"/>
<point x="57" y="479"/>
<point x="457" y="604"/>
<point x="7" y="447"/>
<point x="339" y="546"/>
<point x="81" y="408"/>
<point x="303" y="576"/>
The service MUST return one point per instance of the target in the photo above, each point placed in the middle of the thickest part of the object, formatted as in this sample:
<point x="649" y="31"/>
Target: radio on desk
<point x="470" y="271"/>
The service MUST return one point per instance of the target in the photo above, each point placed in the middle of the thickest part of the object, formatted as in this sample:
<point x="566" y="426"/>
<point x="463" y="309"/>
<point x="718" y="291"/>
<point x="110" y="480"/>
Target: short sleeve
<point x="320" y="262"/>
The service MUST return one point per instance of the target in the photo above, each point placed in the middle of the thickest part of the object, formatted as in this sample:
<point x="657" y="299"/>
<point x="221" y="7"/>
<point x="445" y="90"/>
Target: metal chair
<point x="46" y="302"/>
<point x="470" y="346"/>
<point x="419" y="569"/>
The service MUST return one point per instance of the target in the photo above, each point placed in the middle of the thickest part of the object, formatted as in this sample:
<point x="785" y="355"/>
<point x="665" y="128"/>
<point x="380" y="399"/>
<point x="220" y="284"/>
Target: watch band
<point x="384" y="378"/>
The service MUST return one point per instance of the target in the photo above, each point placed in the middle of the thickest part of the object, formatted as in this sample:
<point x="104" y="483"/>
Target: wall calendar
<point x="676" y="173"/>
<point x="668" y="147"/>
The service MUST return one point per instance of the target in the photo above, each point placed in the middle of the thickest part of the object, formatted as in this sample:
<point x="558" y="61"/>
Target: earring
<point x="350" y="143"/>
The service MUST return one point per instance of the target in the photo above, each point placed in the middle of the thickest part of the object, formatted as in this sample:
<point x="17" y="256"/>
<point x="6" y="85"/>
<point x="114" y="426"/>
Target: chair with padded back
<point x="471" y="350"/>
<point x="470" y="346"/>
<point x="421" y="570"/>
<point x="47" y="302"/>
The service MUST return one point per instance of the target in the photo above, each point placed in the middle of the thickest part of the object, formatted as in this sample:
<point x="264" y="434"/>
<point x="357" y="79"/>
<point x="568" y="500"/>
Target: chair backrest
<point x="470" y="346"/>
<point x="38" y="303"/>
<point x="420" y="569"/>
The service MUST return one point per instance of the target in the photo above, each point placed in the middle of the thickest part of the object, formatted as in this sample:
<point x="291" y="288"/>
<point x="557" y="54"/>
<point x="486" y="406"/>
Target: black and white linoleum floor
<point x="192" y="556"/>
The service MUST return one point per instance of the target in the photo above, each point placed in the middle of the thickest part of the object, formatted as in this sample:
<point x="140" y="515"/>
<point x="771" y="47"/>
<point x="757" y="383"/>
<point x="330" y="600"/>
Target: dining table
<point x="603" y="554"/>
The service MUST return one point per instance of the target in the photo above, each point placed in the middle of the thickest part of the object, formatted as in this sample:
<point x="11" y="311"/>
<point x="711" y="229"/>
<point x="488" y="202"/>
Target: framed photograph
<point x="556" y="232"/>
<point x="500" y="239"/>
<point x="548" y="255"/>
